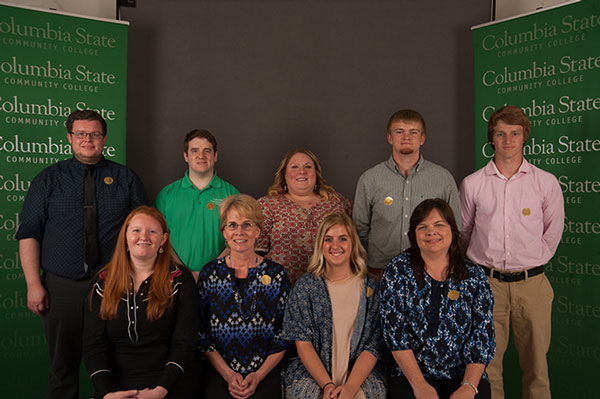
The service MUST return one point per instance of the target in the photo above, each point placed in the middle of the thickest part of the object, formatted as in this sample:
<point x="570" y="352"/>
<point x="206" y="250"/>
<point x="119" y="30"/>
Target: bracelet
<point x="465" y="382"/>
<point x="330" y="382"/>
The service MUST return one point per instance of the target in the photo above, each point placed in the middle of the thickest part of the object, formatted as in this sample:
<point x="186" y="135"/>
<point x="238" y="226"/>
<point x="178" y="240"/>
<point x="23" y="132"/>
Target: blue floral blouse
<point x="446" y="324"/>
<point x="245" y="328"/>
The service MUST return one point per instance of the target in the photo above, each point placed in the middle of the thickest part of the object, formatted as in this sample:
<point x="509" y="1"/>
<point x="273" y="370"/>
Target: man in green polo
<point x="191" y="204"/>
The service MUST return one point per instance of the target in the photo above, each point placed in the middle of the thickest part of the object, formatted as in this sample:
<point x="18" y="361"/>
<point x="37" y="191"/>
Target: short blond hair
<point x="245" y="205"/>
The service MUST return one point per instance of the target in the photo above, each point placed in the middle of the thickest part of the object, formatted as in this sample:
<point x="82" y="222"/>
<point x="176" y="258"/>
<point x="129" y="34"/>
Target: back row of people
<point x="70" y="242"/>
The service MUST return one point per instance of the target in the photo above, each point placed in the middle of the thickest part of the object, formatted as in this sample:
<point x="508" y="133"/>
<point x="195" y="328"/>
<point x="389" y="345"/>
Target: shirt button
<point x="405" y="216"/>
<point x="408" y="181"/>
<point x="406" y="198"/>
<point x="405" y="233"/>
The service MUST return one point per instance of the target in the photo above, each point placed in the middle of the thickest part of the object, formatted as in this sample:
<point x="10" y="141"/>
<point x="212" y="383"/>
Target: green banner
<point x="548" y="63"/>
<point x="50" y="64"/>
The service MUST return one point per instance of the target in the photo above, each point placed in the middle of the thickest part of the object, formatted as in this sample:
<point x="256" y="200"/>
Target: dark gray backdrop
<point x="269" y="76"/>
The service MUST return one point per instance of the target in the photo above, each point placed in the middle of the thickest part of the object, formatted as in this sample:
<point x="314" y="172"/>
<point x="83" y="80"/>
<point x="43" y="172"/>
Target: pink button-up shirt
<point x="515" y="223"/>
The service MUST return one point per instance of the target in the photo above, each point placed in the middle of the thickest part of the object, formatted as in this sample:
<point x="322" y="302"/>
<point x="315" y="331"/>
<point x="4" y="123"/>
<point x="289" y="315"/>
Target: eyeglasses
<point x="245" y="226"/>
<point x="82" y="135"/>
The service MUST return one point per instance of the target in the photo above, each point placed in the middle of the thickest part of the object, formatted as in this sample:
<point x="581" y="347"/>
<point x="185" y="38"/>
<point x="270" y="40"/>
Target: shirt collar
<point x="392" y="165"/>
<point x="492" y="169"/>
<point x="214" y="181"/>
<point x="82" y="165"/>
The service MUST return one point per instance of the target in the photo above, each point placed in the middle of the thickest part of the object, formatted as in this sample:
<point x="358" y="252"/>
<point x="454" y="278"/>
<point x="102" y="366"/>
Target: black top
<point x="131" y="352"/>
<point x="53" y="213"/>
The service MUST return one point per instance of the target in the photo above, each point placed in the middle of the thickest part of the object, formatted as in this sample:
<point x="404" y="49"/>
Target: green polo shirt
<point x="193" y="219"/>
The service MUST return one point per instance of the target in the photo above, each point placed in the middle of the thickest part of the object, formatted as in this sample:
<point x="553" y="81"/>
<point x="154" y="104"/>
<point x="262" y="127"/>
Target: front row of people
<point x="337" y="325"/>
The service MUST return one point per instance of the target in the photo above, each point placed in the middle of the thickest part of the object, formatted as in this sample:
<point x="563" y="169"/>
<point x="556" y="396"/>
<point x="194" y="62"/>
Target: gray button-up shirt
<point x="385" y="199"/>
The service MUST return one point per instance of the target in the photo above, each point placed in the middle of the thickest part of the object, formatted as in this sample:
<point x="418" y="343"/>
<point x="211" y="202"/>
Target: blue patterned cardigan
<point x="308" y="317"/>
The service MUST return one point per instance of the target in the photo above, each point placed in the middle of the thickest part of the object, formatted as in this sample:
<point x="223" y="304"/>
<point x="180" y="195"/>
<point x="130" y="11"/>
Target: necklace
<point x="240" y="300"/>
<point x="340" y="279"/>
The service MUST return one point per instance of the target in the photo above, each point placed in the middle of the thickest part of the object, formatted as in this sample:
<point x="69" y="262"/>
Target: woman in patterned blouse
<point x="140" y="332"/>
<point x="242" y="302"/>
<point x="295" y="205"/>
<point x="332" y="316"/>
<point x="436" y="312"/>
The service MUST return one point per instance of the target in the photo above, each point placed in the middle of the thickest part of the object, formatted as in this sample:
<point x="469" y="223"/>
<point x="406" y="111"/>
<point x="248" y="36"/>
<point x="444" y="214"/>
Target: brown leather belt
<point x="510" y="277"/>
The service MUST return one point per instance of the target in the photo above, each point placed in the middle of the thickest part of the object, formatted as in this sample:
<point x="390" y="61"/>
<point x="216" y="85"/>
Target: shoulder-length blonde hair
<point x="279" y="185"/>
<point x="117" y="273"/>
<point x="317" y="264"/>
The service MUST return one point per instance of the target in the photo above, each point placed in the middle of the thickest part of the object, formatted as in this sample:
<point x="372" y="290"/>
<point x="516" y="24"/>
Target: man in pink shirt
<point x="512" y="220"/>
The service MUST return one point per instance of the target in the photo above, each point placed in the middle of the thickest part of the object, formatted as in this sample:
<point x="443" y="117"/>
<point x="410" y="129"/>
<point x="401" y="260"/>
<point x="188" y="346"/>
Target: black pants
<point x="63" y="328"/>
<point x="215" y="387"/>
<point x="399" y="388"/>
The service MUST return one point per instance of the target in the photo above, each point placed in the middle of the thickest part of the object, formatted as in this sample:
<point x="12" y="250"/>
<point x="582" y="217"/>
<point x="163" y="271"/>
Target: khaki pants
<point x="526" y="305"/>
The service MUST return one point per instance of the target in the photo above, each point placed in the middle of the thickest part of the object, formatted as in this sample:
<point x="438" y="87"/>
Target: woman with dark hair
<point x="295" y="205"/>
<point x="436" y="312"/>
<point x="333" y="317"/>
<point x="242" y="303"/>
<point x="140" y="332"/>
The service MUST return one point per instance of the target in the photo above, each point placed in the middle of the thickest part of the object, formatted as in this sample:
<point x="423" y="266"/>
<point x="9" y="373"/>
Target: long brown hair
<point x="457" y="269"/>
<point x="279" y="186"/>
<point x="117" y="273"/>
<point x="317" y="265"/>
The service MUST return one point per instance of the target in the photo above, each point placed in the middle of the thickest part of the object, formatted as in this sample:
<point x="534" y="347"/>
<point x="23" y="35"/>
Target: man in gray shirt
<point x="387" y="193"/>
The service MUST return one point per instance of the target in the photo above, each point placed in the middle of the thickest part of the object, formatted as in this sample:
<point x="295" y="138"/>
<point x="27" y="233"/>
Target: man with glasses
<point x="70" y="221"/>
<point x="191" y="204"/>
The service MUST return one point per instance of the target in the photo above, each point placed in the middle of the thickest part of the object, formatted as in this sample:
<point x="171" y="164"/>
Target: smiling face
<point x="243" y="237"/>
<point x="337" y="247"/>
<point x="200" y="156"/>
<point x="144" y="237"/>
<point x="508" y="141"/>
<point x="406" y="137"/>
<point x="300" y="175"/>
<point x="433" y="235"/>
<point x="87" y="150"/>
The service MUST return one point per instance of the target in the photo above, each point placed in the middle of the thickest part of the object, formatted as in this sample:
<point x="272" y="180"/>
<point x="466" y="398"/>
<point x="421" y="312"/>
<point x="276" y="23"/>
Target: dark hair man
<point x="191" y="204"/>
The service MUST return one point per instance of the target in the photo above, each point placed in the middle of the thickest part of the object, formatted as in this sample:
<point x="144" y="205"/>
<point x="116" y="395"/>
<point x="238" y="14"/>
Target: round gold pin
<point x="526" y="211"/>
<point x="453" y="295"/>
<point x="388" y="200"/>
<point x="266" y="279"/>
<point x="108" y="180"/>
<point x="210" y="206"/>
<point x="369" y="291"/>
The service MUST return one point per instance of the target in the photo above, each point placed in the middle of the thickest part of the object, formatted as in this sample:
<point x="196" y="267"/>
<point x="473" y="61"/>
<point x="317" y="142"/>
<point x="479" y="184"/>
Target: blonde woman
<point x="332" y="316"/>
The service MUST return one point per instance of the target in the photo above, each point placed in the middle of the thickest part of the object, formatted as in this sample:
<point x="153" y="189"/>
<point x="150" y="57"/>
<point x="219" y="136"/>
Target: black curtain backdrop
<point x="269" y="76"/>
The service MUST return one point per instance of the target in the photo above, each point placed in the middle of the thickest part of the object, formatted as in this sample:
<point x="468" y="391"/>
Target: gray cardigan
<point x="308" y="317"/>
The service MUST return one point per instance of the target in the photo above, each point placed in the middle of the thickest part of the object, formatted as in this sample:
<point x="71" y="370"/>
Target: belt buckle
<point x="510" y="277"/>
